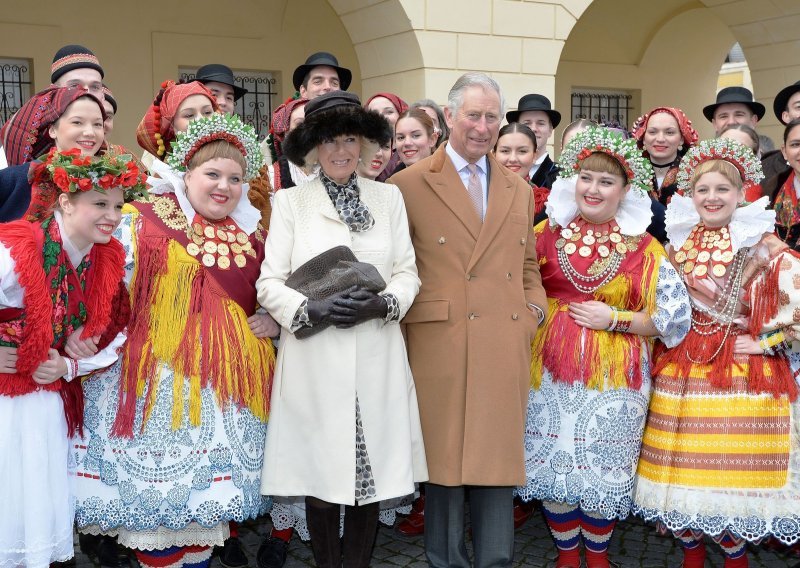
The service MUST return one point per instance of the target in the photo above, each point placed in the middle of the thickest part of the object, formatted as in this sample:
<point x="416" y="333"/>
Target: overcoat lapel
<point x="445" y="182"/>
<point x="501" y="195"/>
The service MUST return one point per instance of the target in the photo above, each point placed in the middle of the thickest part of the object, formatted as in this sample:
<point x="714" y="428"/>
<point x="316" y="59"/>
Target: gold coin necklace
<point x="219" y="243"/>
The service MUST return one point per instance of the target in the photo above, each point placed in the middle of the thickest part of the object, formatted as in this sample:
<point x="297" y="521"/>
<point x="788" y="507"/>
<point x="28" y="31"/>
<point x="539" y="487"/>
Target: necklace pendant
<point x="589" y="239"/>
<point x="622" y="248"/>
<point x="560" y="244"/>
<point x="585" y="251"/>
<point x="566" y="233"/>
<point x="680" y="256"/>
<point x="700" y="270"/>
<point x="603" y="251"/>
<point x="703" y="256"/>
<point x="193" y="249"/>
<point x="570" y="248"/>
<point x="688" y="267"/>
<point x="719" y="270"/>
<point x="615" y="238"/>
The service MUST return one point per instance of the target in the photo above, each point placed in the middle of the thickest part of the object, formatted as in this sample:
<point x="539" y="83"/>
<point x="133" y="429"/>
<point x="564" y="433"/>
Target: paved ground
<point x="635" y="545"/>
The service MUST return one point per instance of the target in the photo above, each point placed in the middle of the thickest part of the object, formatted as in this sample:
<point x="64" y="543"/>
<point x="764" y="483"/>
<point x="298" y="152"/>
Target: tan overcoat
<point x="469" y="330"/>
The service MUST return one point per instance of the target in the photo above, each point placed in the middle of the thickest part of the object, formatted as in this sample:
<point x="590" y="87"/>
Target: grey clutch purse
<point x="330" y="273"/>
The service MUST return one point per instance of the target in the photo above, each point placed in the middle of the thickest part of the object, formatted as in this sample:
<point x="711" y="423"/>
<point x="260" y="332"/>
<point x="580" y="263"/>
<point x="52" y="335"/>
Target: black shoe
<point x="272" y="553"/>
<point x="107" y="554"/>
<point x="88" y="544"/>
<point x="232" y="555"/>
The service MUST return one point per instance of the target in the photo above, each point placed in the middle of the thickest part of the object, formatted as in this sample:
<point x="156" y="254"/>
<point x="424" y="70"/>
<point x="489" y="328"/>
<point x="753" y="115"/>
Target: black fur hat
<point x="331" y="115"/>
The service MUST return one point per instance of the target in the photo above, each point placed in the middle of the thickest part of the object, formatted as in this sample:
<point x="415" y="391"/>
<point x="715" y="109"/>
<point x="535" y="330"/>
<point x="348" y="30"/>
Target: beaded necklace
<point x="592" y="239"/>
<point x="722" y="314"/>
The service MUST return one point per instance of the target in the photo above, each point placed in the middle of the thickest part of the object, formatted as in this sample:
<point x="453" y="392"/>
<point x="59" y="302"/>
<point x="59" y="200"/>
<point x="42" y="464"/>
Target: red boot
<point x="414" y="523"/>
<point x="522" y="511"/>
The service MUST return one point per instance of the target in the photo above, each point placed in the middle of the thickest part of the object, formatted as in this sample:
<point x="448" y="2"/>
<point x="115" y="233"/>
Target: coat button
<point x="522" y="241"/>
<point x="472" y="316"/>
<point x="508" y="276"/>
<point x="514" y="316"/>
<point x="442" y="240"/>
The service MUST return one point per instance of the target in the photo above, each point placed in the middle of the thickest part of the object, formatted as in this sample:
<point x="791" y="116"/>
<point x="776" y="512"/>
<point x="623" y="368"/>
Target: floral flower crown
<point x="217" y="127"/>
<point x="71" y="172"/>
<point x="597" y="139"/>
<point x="725" y="149"/>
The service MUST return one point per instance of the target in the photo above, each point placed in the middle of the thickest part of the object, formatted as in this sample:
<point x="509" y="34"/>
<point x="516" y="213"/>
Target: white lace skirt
<point x="582" y="445"/>
<point x="35" y="481"/>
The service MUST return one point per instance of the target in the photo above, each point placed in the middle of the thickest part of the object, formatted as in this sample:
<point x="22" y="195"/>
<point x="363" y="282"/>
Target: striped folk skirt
<point x="719" y="459"/>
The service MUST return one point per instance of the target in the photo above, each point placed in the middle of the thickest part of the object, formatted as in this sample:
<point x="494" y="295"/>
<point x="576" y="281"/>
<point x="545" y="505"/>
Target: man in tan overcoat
<point x="469" y="331"/>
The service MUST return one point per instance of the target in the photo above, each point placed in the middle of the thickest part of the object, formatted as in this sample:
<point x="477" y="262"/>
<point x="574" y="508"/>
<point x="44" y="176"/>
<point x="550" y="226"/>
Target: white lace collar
<point x="747" y="226"/>
<point x="171" y="181"/>
<point x="633" y="216"/>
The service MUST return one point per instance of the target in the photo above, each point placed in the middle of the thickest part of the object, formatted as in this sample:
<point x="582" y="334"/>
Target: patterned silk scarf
<point x="347" y="201"/>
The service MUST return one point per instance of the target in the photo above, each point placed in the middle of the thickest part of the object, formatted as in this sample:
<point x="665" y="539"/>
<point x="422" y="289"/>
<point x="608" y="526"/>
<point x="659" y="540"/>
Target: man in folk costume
<point x="537" y="113"/>
<point x="60" y="285"/>
<point x="469" y="331"/>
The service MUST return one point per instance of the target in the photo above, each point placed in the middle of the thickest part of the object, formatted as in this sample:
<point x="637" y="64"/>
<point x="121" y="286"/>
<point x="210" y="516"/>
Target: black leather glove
<point x="322" y="310"/>
<point x="358" y="306"/>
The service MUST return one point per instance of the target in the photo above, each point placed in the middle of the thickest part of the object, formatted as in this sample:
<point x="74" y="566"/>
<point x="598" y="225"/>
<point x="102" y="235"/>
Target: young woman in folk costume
<point x="611" y="289"/>
<point x="175" y="431"/>
<point x="720" y="449"/>
<point x="60" y="276"/>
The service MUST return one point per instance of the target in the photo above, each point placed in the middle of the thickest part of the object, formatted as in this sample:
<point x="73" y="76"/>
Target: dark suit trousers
<point x="492" y="520"/>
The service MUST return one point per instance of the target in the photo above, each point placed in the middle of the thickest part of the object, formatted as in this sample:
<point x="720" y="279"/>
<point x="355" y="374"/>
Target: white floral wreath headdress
<point x="597" y="139"/>
<point x="725" y="149"/>
<point x="217" y="127"/>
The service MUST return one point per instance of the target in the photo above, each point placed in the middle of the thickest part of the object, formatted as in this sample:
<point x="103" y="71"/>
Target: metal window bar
<point x="15" y="83"/>
<point x="255" y="107"/>
<point x="602" y="107"/>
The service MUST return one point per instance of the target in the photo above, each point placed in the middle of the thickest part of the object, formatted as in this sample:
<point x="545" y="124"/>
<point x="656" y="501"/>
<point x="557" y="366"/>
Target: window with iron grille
<point x="15" y="81"/>
<point x="602" y="106"/>
<point x="255" y="107"/>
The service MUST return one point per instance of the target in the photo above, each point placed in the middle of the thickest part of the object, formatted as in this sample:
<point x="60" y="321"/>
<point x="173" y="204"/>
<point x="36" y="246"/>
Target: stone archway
<point x="670" y="52"/>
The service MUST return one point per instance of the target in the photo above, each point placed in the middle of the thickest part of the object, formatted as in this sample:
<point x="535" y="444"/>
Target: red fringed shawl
<point x="57" y="300"/>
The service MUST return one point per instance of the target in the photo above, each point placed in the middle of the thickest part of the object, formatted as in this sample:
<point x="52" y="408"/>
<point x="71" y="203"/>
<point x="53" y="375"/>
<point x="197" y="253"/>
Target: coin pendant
<point x="197" y="239"/>
<point x="689" y="266"/>
<point x="224" y="262"/>
<point x="603" y="251"/>
<point x="197" y="228"/>
<point x="692" y="254"/>
<point x="193" y="249"/>
<point x="231" y="237"/>
<point x="566" y="233"/>
<point x="208" y="260"/>
<point x="700" y="270"/>
<point x="210" y="246"/>
<point x="703" y="256"/>
<point x="569" y="248"/>
<point x="719" y="270"/>
<point x="221" y="235"/>
<point x="584" y="251"/>
<point x="589" y="240"/>
<point x="727" y="256"/>
<point x="622" y="248"/>
<point x="680" y="256"/>
<point x="240" y="260"/>
<point x="241" y="238"/>
<point x="615" y="238"/>
<point x="716" y="256"/>
<point x="209" y="232"/>
<point x="223" y="249"/>
<point x="689" y="244"/>
<point x="724" y="244"/>
<point x="236" y="248"/>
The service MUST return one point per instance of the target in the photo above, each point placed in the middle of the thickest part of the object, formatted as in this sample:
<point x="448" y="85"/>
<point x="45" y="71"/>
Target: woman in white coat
<point x="344" y="425"/>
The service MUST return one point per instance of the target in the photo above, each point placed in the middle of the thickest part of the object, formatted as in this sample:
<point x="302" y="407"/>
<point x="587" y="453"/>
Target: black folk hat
<point x="781" y="101"/>
<point x="71" y="57"/>
<point x="735" y="95"/>
<point x="218" y="73"/>
<point x="534" y="102"/>
<point x="317" y="59"/>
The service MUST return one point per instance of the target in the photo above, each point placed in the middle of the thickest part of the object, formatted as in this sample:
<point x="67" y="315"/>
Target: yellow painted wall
<point x="143" y="42"/>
